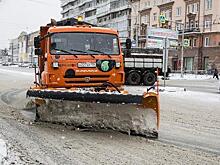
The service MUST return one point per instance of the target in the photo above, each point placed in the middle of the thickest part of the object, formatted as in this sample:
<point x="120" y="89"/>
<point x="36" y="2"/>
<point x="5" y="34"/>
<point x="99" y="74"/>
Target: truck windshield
<point x="78" y="43"/>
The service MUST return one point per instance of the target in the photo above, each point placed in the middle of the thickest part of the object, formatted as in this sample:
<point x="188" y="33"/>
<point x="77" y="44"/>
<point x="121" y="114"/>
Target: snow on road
<point x="189" y="132"/>
<point x="3" y="150"/>
<point x="177" y="76"/>
<point x="15" y="71"/>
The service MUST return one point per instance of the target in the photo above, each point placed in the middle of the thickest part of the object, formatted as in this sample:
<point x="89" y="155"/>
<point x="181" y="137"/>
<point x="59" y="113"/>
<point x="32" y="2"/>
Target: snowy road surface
<point x="3" y="150"/>
<point x="189" y="132"/>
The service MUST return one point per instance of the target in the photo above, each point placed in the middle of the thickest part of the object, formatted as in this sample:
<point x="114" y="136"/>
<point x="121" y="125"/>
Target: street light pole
<point x="182" y="47"/>
<point x="137" y="19"/>
<point x="182" y="51"/>
<point x="12" y="52"/>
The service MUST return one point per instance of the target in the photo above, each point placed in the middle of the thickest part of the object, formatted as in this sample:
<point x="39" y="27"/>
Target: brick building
<point x="201" y="19"/>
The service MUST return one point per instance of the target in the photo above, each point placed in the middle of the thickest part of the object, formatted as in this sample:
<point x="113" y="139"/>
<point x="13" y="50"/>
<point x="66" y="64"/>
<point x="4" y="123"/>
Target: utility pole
<point x="182" y="50"/>
<point x="12" y="52"/>
<point x="165" y="59"/>
<point x="182" y="46"/>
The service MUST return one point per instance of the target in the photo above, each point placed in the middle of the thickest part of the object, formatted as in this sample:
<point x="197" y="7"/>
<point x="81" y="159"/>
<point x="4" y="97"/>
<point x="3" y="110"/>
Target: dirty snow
<point x="3" y="150"/>
<point x="177" y="76"/>
<point x="17" y="72"/>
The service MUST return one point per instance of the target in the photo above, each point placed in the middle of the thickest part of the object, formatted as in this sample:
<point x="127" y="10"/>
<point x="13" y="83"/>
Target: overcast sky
<point x="25" y="15"/>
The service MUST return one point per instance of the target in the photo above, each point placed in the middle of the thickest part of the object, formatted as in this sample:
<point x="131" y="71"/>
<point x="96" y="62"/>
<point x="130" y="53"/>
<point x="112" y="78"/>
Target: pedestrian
<point x="216" y="73"/>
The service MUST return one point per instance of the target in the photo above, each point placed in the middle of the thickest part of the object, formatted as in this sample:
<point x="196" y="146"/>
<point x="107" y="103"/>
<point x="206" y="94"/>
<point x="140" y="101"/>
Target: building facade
<point x="32" y="58"/>
<point x="14" y="50"/>
<point x="106" y="13"/>
<point x="198" y="19"/>
<point x="21" y="49"/>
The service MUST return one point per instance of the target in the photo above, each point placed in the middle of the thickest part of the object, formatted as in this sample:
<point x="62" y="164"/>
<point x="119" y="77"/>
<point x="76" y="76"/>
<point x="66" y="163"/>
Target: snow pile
<point x="177" y="76"/>
<point x="3" y="150"/>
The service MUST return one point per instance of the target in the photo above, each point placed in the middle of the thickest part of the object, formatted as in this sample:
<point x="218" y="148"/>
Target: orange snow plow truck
<point x="79" y="81"/>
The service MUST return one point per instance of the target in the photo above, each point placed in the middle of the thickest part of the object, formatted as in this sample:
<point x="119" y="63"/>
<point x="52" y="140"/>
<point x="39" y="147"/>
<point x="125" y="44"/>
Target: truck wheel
<point x="134" y="78"/>
<point x="149" y="79"/>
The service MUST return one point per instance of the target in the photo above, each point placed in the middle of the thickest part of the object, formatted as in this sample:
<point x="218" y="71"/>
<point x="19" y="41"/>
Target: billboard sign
<point x="155" y="43"/>
<point x="162" y="33"/>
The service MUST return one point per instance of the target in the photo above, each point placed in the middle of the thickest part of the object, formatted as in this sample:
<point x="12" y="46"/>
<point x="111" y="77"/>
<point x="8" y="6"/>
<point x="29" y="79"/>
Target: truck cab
<point x="78" y="54"/>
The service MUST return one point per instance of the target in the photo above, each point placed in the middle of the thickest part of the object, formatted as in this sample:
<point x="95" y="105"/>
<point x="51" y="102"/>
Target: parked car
<point x="5" y="64"/>
<point x="31" y="65"/>
<point x="23" y="64"/>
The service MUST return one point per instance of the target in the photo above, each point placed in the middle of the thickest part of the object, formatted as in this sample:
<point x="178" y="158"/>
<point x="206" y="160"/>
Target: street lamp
<point x="182" y="49"/>
<point x="182" y="46"/>
<point x="136" y="11"/>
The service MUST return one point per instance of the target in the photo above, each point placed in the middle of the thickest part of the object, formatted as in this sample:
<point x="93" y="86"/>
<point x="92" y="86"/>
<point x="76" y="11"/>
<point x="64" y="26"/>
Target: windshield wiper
<point x="98" y="51"/>
<point x="64" y="51"/>
<point x="81" y="51"/>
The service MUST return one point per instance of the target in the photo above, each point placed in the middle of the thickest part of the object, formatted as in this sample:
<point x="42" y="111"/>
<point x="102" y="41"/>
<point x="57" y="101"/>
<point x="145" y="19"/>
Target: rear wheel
<point x="134" y="78"/>
<point x="149" y="79"/>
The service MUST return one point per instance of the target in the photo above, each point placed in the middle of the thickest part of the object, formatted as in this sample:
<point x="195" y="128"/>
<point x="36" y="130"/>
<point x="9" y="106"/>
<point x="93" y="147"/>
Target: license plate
<point x="87" y="65"/>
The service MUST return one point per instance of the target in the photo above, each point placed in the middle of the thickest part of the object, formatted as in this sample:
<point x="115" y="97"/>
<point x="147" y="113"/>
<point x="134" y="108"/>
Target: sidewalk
<point x="188" y="76"/>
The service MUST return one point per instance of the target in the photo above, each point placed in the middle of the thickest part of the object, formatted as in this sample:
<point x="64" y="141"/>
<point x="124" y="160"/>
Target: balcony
<point x="190" y="30"/>
<point x="166" y="4"/>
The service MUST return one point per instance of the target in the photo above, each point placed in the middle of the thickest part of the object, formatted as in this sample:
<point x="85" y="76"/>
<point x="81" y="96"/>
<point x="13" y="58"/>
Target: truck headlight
<point x="55" y="64"/>
<point x="118" y="64"/>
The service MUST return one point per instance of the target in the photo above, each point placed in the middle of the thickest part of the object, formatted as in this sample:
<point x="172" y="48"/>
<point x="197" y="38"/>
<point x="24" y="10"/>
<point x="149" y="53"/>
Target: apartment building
<point x="32" y="58"/>
<point x="106" y="13"/>
<point x="21" y="49"/>
<point x="200" y="21"/>
<point x="14" y="50"/>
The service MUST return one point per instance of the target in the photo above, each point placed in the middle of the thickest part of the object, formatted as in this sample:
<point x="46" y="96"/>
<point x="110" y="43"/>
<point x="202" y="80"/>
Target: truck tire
<point x="149" y="79"/>
<point x="134" y="78"/>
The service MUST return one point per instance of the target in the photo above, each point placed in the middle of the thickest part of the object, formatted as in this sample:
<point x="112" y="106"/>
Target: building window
<point x="187" y="25"/>
<point x="155" y="2"/>
<point x="144" y="19"/>
<point x="195" y="7"/>
<point x="208" y="24"/>
<point x="192" y="22"/>
<point x="154" y="16"/>
<point x="188" y="9"/>
<point x="178" y="11"/>
<point x="207" y="42"/>
<point x="188" y="63"/>
<point x="196" y="24"/>
<point x="147" y="4"/>
<point x="208" y="4"/>
<point x="194" y="42"/>
<point x="179" y="25"/>
<point x="206" y="63"/>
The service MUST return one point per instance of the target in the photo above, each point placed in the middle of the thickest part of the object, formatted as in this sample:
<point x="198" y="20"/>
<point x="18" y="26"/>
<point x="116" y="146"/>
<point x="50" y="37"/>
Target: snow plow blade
<point x="133" y="114"/>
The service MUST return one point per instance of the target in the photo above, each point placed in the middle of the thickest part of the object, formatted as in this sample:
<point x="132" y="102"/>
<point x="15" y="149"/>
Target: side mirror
<point x="128" y="43"/>
<point x="37" y="42"/>
<point x="38" y="51"/>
